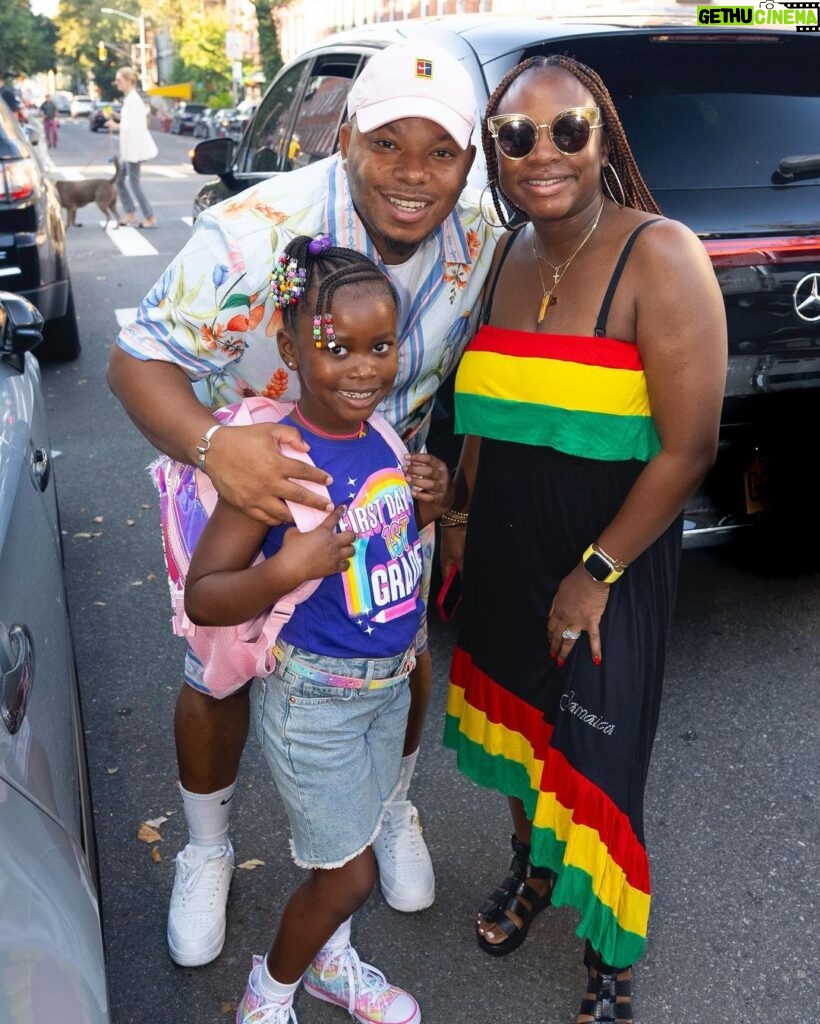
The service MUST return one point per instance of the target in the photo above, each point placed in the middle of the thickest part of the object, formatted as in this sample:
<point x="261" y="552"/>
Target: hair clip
<point x="319" y="244"/>
<point x="287" y="281"/>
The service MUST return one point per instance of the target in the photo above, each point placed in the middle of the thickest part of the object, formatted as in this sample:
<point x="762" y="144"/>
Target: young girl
<point x="331" y="718"/>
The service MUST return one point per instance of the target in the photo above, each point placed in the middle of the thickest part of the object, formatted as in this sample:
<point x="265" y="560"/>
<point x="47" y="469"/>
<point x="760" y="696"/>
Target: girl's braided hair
<point x="326" y="267"/>
<point x="636" y="192"/>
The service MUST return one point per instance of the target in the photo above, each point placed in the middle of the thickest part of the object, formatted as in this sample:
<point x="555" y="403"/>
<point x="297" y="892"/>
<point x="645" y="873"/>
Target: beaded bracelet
<point x="453" y="518"/>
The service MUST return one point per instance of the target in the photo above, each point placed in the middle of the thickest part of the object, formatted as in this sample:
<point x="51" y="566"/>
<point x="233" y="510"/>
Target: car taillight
<point x="754" y="252"/>
<point x="20" y="180"/>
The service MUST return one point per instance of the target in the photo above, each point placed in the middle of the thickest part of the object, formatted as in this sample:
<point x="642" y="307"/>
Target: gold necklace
<point x="561" y="269"/>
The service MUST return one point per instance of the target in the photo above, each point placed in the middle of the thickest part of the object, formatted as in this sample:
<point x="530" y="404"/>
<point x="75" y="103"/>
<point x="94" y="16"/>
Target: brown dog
<point x="102" y="191"/>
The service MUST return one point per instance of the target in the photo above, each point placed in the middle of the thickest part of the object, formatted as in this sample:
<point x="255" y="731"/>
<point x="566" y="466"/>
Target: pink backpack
<point x="231" y="655"/>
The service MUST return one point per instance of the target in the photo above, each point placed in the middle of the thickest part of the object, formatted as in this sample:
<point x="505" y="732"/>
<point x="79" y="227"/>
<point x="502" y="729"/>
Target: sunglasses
<point x="516" y="135"/>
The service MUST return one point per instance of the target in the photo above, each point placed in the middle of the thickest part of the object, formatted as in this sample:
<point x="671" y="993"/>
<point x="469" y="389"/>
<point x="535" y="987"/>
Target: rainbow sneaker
<point x="340" y="977"/>
<point x="254" y="1009"/>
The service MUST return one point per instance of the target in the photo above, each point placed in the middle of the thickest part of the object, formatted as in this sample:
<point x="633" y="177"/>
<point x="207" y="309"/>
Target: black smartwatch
<point x="599" y="567"/>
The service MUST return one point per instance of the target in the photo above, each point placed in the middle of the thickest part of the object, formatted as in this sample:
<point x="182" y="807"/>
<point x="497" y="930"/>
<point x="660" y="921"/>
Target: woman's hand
<point x="577" y="607"/>
<point x="452" y="543"/>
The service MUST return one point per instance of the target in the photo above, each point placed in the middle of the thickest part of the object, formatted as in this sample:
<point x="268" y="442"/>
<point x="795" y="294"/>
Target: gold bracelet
<point x="453" y="518"/>
<point x="616" y="562"/>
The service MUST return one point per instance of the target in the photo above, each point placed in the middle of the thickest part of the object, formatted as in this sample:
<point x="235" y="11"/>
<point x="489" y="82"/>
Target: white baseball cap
<point x="414" y="79"/>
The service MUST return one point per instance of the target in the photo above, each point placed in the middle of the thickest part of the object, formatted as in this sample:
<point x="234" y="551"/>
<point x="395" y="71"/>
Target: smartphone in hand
<point x="449" y="597"/>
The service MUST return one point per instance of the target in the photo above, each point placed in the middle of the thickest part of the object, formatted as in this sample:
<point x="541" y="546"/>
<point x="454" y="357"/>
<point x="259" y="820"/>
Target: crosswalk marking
<point x="129" y="240"/>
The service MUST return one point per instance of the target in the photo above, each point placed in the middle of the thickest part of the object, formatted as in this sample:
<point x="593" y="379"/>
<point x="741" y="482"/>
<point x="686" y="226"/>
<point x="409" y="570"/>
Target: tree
<point x="201" y="57"/>
<point x="27" y="41"/>
<point x="270" y="53"/>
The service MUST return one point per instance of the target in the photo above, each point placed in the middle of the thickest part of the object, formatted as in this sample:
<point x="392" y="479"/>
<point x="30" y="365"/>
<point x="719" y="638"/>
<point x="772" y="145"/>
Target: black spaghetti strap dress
<point x="566" y="428"/>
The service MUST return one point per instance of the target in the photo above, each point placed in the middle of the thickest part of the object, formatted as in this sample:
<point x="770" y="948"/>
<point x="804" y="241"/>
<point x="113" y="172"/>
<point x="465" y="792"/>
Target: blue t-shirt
<point x="372" y="610"/>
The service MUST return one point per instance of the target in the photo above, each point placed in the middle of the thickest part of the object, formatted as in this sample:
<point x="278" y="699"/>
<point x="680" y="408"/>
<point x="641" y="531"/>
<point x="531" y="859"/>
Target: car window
<point x="281" y="142"/>
<point x="269" y="136"/>
<point x="682" y="122"/>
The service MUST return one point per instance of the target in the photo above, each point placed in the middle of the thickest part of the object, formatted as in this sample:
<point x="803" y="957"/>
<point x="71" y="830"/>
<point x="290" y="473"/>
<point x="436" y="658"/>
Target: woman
<point x="136" y="145"/>
<point x="591" y="398"/>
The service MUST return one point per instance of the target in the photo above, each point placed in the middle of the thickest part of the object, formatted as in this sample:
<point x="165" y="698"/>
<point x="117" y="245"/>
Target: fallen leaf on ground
<point x="251" y="865"/>
<point x="156" y="856"/>
<point x="147" y="834"/>
<point x="156" y="822"/>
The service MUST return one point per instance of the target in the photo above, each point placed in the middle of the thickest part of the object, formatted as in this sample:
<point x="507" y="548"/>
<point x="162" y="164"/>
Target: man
<point x="394" y="192"/>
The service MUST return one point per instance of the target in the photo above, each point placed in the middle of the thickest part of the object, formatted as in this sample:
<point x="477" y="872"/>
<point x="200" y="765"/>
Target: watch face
<point x="597" y="567"/>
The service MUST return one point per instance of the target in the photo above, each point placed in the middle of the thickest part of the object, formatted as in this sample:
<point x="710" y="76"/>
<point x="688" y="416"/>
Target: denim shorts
<point x="334" y="751"/>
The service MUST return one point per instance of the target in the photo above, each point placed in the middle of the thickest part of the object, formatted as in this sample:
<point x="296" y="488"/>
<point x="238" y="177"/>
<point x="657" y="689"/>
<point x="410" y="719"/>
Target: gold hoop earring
<point x="495" y="191"/>
<point x="608" y="187"/>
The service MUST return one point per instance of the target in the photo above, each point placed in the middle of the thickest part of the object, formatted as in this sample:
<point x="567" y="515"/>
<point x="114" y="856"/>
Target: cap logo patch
<point x="424" y="68"/>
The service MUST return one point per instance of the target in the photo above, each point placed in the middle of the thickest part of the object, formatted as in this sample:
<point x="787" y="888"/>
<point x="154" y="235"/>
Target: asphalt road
<point x="732" y="802"/>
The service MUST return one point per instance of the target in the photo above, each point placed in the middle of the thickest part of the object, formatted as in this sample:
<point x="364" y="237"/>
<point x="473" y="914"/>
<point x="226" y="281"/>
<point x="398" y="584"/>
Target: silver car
<point x="51" y="950"/>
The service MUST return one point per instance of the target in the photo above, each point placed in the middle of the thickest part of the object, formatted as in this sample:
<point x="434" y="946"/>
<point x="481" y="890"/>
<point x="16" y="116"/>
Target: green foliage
<point x="81" y="26"/>
<point x="200" y="55"/>
<point x="27" y="41"/>
<point x="271" y="55"/>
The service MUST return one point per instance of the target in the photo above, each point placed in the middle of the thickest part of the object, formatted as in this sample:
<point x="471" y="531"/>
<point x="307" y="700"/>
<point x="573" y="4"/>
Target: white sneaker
<point x="405" y="868"/>
<point x="196" y="917"/>
<point x="340" y="977"/>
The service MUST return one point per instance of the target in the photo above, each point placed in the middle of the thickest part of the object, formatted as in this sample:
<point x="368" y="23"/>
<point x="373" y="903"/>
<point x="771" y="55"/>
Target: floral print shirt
<point x="211" y="312"/>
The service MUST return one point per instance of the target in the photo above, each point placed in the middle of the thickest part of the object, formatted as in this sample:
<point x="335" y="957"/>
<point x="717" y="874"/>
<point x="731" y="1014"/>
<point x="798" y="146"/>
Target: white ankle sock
<point x="208" y="815"/>
<point x="340" y="938"/>
<point x="408" y="765"/>
<point x="266" y="985"/>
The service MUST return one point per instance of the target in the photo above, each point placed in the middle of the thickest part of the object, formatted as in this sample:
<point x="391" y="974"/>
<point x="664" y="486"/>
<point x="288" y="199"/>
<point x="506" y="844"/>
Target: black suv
<point x="33" y="258"/>
<point x="725" y="126"/>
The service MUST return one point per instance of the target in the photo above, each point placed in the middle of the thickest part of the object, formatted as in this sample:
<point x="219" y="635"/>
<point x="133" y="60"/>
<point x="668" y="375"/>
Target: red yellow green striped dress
<point x="566" y="428"/>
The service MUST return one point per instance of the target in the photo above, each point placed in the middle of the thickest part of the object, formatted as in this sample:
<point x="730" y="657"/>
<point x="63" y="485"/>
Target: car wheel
<point x="61" y="337"/>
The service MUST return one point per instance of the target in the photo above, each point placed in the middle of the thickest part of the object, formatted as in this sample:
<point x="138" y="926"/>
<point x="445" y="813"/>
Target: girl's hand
<point x="577" y="607"/>
<point x="320" y="552"/>
<point x="430" y="481"/>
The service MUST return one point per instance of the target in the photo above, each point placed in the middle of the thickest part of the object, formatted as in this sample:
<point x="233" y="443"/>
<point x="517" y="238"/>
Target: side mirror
<point x="214" y="156"/>
<point x="21" y="325"/>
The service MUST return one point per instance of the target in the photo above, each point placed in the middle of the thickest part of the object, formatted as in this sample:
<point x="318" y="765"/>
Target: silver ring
<point x="570" y="634"/>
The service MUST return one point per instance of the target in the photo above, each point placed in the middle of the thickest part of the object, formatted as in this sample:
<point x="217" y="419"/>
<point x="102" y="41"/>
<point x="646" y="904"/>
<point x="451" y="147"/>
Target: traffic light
<point x="102" y="53"/>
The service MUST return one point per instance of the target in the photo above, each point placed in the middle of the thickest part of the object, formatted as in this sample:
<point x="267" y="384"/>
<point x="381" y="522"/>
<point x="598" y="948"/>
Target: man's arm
<point x="244" y="463"/>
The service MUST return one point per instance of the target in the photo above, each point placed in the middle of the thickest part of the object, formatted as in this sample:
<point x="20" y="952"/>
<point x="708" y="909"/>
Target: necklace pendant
<point x="557" y="275"/>
<point x="548" y="300"/>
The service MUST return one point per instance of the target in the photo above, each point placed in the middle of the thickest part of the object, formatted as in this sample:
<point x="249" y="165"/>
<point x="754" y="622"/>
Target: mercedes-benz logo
<point x="806" y="298"/>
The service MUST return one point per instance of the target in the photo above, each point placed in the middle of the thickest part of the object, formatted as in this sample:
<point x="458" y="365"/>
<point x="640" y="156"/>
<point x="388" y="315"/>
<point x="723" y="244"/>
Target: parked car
<point x="185" y="117"/>
<point x="51" y="948"/>
<point x="62" y="101"/>
<point x="33" y="258"/>
<point x="80" y="106"/>
<point x="733" y="156"/>
<point x="102" y="111"/>
<point x="239" y="119"/>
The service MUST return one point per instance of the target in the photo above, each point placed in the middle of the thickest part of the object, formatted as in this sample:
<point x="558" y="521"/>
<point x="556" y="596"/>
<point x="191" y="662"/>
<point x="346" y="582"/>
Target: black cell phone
<point x="449" y="597"/>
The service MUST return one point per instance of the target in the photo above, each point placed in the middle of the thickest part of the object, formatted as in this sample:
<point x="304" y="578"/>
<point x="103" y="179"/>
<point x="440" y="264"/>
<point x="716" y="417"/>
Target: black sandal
<point x="517" y="897"/>
<point x="604" y="988"/>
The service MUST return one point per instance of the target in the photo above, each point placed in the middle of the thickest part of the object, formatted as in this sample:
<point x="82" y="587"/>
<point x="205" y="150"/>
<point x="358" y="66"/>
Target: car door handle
<point x="41" y="468"/>
<point x="17" y="681"/>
